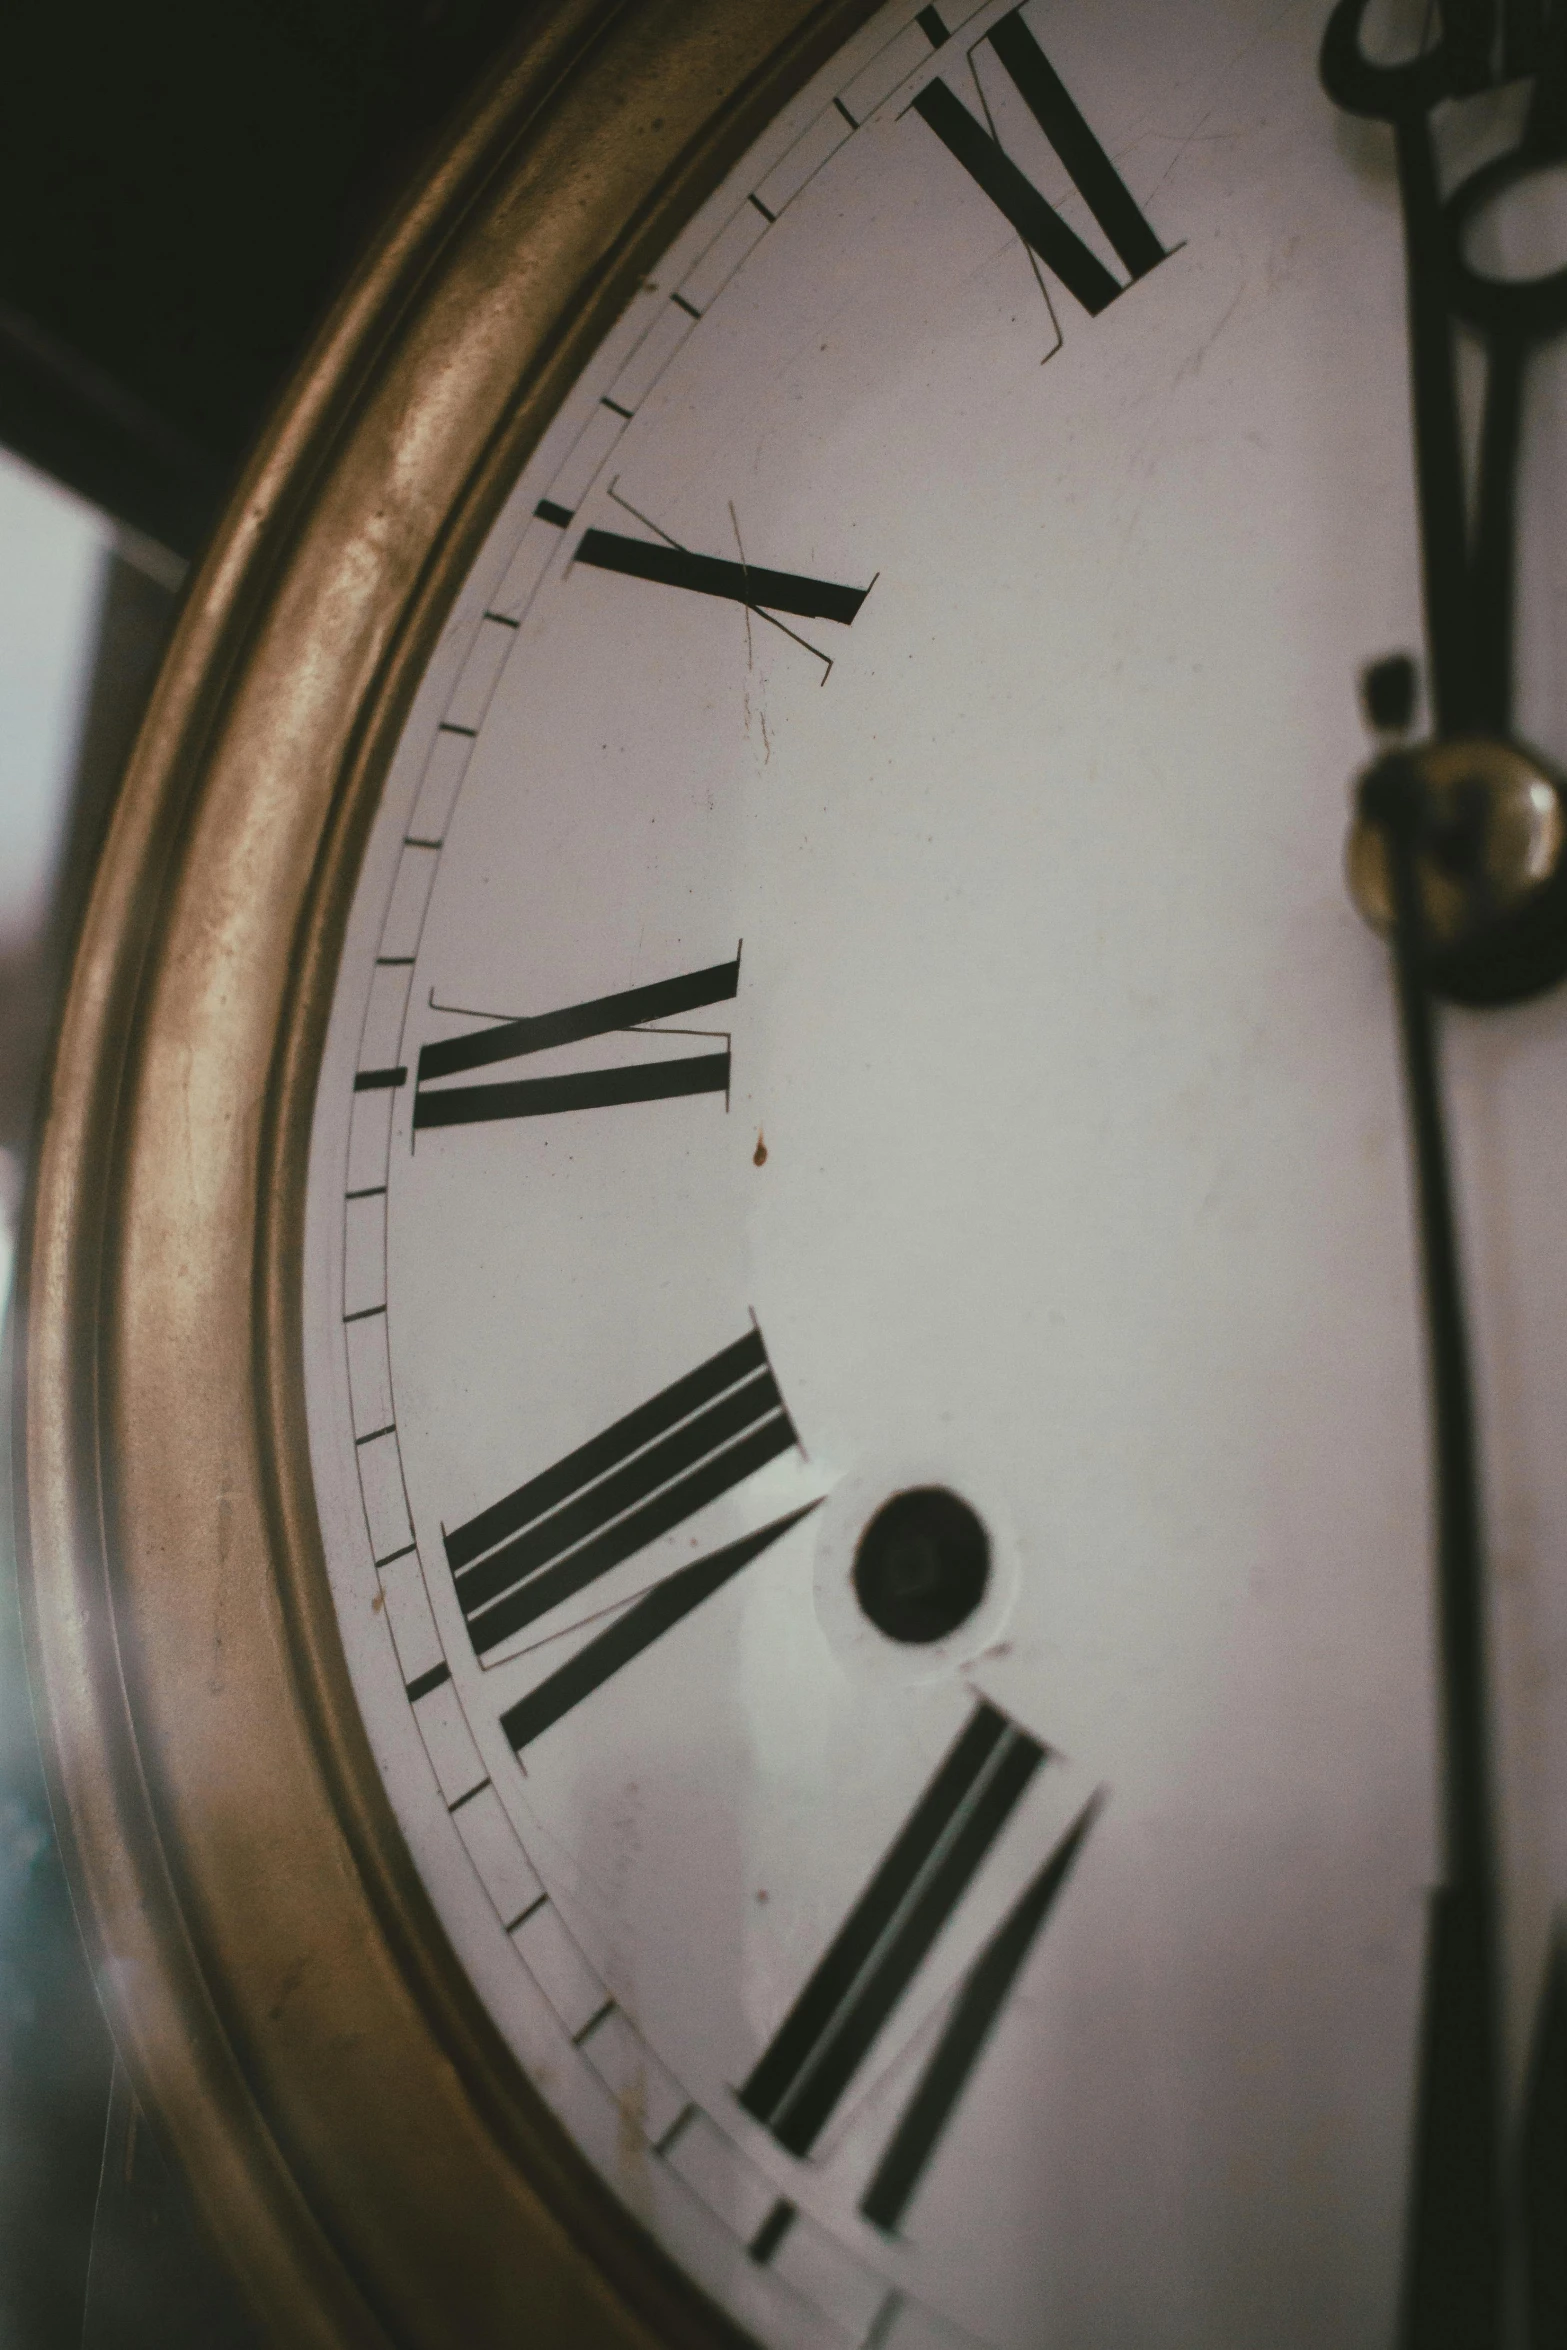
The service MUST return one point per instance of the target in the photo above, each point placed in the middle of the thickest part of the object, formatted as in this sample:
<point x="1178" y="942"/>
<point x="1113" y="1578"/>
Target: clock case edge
<point x="359" y="2144"/>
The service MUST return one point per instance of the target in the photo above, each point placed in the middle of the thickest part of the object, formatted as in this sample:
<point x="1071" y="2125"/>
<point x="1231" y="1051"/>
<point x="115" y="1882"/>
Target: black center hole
<point x="922" y="1565"/>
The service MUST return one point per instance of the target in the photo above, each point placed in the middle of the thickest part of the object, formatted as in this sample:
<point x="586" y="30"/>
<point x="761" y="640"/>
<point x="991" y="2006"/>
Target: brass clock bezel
<point x="359" y="2143"/>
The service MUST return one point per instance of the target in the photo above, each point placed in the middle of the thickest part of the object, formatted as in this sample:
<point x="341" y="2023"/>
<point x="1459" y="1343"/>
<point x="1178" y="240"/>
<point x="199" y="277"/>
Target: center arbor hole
<point x="922" y="1564"/>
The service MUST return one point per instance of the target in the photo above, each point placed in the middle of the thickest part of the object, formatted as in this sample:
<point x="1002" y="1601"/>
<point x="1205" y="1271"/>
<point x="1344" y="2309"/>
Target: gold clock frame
<point x="359" y="2143"/>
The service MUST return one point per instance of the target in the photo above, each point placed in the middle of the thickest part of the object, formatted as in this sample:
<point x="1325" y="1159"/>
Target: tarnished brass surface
<point x="1495" y="839"/>
<point x="361" y="2147"/>
<point x="1487" y="824"/>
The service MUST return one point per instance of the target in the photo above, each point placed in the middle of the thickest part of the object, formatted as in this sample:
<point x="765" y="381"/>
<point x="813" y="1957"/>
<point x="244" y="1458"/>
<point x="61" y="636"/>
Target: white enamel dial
<point x="878" y="1009"/>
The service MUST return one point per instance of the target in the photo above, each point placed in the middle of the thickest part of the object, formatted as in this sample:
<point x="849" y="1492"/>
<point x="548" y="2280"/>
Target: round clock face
<point x="863" y="1344"/>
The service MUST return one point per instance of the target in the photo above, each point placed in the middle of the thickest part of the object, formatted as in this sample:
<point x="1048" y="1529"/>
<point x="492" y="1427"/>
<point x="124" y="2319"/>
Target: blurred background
<point x="183" y="188"/>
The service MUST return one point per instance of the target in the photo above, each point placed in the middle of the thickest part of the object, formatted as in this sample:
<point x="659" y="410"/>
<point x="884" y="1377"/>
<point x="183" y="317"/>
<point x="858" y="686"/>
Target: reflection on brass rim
<point x="361" y="2147"/>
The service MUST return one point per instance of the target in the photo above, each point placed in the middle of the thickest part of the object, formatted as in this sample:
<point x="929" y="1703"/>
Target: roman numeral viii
<point x="610" y="1498"/>
<point x="1097" y="181"/>
<point x="588" y="1089"/>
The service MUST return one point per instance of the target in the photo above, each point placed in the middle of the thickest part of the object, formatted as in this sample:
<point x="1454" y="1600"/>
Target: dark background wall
<point x="183" y="185"/>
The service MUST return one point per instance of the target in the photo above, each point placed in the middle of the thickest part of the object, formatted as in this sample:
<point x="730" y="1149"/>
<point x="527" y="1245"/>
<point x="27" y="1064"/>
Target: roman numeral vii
<point x="979" y="2001"/>
<point x="1097" y="181"/>
<point x="887" y="1935"/>
<point x="881" y="1946"/>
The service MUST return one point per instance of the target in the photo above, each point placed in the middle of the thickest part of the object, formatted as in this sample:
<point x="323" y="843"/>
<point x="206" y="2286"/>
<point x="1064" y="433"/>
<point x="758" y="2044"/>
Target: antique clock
<point x="793" y="1434"/>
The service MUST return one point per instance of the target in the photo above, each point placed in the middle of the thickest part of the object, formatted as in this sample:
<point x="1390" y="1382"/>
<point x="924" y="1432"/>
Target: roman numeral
<point x="877" y="1952"/>
<point x="656" y="1613"/>
<point x="588" y="1089"/>
<point x="610" y="1498"/>
<point x="711" y="575"/>
<point x="980" y="2000"/>
<point x="667" y="563"/>
<point x="1097" y="181"/>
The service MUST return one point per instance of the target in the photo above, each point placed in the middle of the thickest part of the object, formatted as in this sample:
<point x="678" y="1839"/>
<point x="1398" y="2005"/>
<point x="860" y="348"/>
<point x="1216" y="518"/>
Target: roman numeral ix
<point x="589" y="1089"/>
<point x="1097" y="181"/>
<point x="612" y="1497"/>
